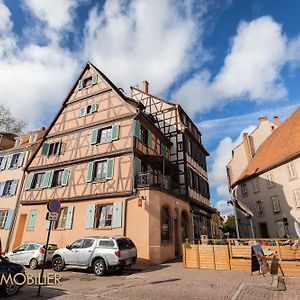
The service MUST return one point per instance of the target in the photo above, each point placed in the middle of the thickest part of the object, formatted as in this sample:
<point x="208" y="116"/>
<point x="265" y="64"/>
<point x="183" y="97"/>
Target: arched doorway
<point x="184" y="226"/>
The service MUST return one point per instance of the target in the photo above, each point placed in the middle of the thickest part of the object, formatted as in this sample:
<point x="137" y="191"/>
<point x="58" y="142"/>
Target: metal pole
<point x="235" y="217"/>
<point x="252" y="228"/>
<point x="43" y="265"/>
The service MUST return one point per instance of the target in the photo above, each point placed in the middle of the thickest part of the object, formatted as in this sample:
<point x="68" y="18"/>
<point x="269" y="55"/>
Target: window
<point x="144" y="135"/>
<point x="3" y="217"/>
<point x="270" y="182"/>
<point x="32" y="247"/>
<point x="57" y="178"/>
<point x="77" y="244"/>
<point x="191" y="178"/>
<point x="38" y="180"/>
<point x="32" y="138"/>
<point x="61" y="222"/>
<point x="244" y="190"/>
<point x="189" y="147"/>
<point x="180" y="146"/>
<point x="89" y="81"/>
<point x="103" y="216"/>
<point x="291" y="171"/>
<point x="165" y="224"/>
<point x="87" y="243"/>
<point x="8" y="188"/>
<point x="281" y="229"/>
<point x="106" y="244"/>
<point x="259" y="208"/>
<point x="100" y="170"/>
<point x="104" y="135"/>
<point x="276" y="204"/>
<point x="1" y="162"/>
<point x="54" y="148"/>
<point x="297" y="197"/>
<point x="255" y="185"/>
<point x="16" y="160"/>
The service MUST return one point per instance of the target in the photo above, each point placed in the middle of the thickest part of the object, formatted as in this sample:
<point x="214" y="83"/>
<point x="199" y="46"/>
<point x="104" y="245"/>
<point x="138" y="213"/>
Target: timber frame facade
<point x="116" y="173"/>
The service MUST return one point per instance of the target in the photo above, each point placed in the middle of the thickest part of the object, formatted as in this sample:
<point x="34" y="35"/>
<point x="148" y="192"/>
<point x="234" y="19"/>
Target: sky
<point x="225" y="62"/>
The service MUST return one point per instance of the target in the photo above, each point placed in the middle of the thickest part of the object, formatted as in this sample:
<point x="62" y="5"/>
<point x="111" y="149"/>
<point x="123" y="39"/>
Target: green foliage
<point x="229" y="225"/>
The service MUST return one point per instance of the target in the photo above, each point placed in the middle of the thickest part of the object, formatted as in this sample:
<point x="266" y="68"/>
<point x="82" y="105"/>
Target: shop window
<point x="165" y="231"/>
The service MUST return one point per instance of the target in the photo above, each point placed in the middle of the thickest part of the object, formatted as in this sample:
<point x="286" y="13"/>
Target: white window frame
<point x="244" y="189"/>
<point x="296" y="195"/>
<point x="276" y="204"/>
<point x="291" y="171"/>
<point x="270" y="182"/>
<point x="255" y="185"/>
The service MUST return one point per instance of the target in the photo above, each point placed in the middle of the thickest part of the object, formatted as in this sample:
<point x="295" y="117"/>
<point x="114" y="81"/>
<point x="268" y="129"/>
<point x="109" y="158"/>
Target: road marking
<point x="238" y="291"/>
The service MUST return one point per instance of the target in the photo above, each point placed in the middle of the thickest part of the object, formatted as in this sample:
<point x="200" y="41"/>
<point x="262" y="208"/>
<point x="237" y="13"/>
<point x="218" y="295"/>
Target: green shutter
<point x="90" y="214"/>
<point x="80" y="84"/>
<point x="138" y="166"/>
<point x="90" y="172"/>
<point x="94" y="79"/>
<point x="149" y="139"/>
<point x="115" y="132"/>
<point x="117" y="215"/>
<point x="94" y="107"/>
<point x="94" y="136"/>
<point x="136" y="128"/>
<point x="46" y="179"/>
<point x="51" y="174"/>
<point x="110" y="169"/>
<point x="45" y="149"/>
<point x="65" y="177"/>
<point x="82" y="112"/>
<point x="31" y="220"/>
<point x="69" y="220"/>
<point x="29" y="182"/>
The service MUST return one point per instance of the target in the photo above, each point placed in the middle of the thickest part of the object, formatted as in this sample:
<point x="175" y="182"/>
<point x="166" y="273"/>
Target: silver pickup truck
<point x="97" y="252"/>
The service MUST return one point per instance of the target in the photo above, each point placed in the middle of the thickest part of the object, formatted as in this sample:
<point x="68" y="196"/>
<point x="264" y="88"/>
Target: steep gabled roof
<point x="279" y="147"/>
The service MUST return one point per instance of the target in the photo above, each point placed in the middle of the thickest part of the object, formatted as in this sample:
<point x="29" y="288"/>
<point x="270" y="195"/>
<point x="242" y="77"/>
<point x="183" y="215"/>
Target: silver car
<point x="100" y="253"/>
<point x="31" y="254"/>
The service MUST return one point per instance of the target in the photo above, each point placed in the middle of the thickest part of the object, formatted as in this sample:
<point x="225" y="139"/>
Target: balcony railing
<point x="146" y="179"/>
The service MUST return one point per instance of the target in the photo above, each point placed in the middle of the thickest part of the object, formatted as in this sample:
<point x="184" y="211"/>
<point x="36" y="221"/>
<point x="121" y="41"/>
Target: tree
<point x="229" y="226"/>
<point x="10" y="124"/>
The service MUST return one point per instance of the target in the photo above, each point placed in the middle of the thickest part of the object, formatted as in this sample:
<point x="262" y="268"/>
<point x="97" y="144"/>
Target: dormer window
<point x="18" y="142"/>
<point x="87" y="82"/>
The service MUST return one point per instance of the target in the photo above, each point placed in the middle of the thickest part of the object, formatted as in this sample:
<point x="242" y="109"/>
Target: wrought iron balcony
<point x="146" y="179"/>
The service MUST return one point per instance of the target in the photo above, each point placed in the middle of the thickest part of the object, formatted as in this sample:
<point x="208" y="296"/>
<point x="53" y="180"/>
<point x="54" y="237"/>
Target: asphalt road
<point x="166" y="281"/>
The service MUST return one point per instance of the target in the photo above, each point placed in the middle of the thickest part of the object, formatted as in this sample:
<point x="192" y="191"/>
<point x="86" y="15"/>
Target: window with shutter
<point x="69" y="220"/>
<point x="3" y="217"/>
<point x="80" y="84"/>
<point x="117" y="215"/>
<point x="291" y="171"/>
<point x="65" y="177"/>
<point x="94" y="79"/>
<point x="31" y="220"/>
<point x="103" y="216"/>
<point x="54" y="149"/>
<point x="110" y="169"/>
<point x="9" y="219"/>
<point x="149" y="139"/>
<point x="90" y="172"/>
<point x="82" y="111"/>
<point x="297" y="197"/>
<point x="29" y="182"/>
<point x="275" y="203"/>
<point x="45" y="149"/>
<point x="136" y="128"/>
<point x="115" y="132"/>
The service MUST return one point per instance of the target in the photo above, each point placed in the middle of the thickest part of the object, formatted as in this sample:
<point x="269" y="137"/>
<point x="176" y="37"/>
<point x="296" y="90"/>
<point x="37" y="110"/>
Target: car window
<point x="106" y="244"/>
<point x="87" y="243"/>
<point x="32" y="247"/>
<point x="130" y="243"/>
<point x="77" y="244"/>
<point x="123" y="244"/>
<point x="21" y="248"/>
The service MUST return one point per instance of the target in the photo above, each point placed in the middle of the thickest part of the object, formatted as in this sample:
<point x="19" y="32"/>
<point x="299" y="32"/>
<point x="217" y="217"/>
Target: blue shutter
<point x="110" y="169"/>
<point x="14" y="186"/>
<point x="31" y="221"/>
<point x="90" y="171"/>
<point x="117" y="215"/>
<point x="115" y="132"/>
<point x="90" y="215"/>
<point x="2" y="185"/>
<point x="29" y="182"/>
<point x="69" y="220"/>
<point x="9" y="219"/>
<point x="94" y="136"/>
<point x="21" y="159"/>
<point x="94" y="79"/>
<point x="65" y="177"/>
<point x="80" y="84"/>
<point x="136" y="128"/>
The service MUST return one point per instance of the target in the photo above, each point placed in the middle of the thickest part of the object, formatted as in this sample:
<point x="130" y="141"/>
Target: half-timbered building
<point x="113" y="168"/>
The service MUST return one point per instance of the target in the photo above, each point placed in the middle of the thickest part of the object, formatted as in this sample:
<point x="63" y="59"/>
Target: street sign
<point x="52" y="216"/>
<point x="54" y="205"/>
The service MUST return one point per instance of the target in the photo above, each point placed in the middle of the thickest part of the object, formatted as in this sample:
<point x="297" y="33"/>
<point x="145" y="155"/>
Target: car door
<point x="18" y="254"/>
<point x="30" y="253"/>
<point x="71" y="253"/>
<point x="86" y="251"/>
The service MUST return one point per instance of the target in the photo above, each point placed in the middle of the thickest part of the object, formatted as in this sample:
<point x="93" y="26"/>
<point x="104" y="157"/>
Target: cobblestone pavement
<point x="166" y="281"/>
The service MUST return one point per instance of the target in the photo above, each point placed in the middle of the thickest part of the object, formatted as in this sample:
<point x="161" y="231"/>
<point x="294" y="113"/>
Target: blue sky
<point x="226" y="62"/>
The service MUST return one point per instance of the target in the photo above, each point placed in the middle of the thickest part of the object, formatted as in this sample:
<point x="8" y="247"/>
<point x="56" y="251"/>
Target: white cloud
<point x="5" y="22"/>
<point x="224" y="208"/>
<point x="251" y="69"/>
<point x="143" y="40"/>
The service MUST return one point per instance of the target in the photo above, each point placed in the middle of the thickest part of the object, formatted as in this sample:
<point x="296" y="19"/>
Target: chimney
<point x="146" y="86"/>
<point x="247" y="145"/>
<point x="261" y="119"/>
<point x="276" y="120"/>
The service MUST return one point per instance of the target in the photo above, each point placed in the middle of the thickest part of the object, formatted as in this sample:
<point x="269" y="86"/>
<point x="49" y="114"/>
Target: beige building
<point x="12" y="162"/>
<point x="113" y="168"/>
<point x="269" y="184"/>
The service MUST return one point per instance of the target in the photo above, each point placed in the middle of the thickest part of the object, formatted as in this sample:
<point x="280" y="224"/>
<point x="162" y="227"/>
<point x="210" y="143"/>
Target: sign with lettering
<point x="52" y="216"/>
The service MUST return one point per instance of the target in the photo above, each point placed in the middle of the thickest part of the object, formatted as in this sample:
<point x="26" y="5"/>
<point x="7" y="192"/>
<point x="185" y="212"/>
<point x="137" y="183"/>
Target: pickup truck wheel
<point x="99" y="267"/>
<point x="57" y="264"/>
<point x="33" y="264"/>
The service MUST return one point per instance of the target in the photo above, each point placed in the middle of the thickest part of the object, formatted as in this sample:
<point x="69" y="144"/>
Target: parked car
<point x="99" y="253"/>
<point x="7" y="268"/>
<point x="31" y="254"/>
